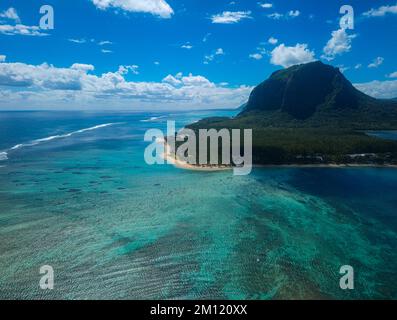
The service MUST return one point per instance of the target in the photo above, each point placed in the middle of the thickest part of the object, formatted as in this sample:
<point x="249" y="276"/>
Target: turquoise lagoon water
<point x="112" y="227"/>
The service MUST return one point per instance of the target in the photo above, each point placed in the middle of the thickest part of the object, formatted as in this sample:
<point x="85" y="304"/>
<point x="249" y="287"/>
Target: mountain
<point x="315" y="95"/>
<point x="311" y="113"/>
<point x="303" y="90"/>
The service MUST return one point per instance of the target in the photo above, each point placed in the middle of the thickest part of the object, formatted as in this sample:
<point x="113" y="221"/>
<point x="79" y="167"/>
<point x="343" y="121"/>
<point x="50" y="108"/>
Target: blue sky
<point x="183" y="54"/>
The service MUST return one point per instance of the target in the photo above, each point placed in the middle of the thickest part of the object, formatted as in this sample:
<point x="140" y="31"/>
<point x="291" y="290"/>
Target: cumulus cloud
<point x="289" y="56"/>
<point x="379" y="89"/>
<point x="272" y="40"/>
<point x="43" y="76"/>
<point x="10" y="14"/>
<point x="391" y="75"/>
<point x="158" y="8"/>
<point x="376" y="63"/>
<point x="45" y="86"/>
<point x="229" y="17"/>
<point x="20" y="29"/>
<point x="83" y="67"/>
<point x="13" y="26"/>
<point x="340" y="42"/>
<point x="381" y="11"/>
<point x="2" y="58"/>
<point x="125" y="69"/>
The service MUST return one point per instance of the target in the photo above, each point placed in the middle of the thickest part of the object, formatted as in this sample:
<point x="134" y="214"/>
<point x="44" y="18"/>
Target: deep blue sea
<point x="76" y="194"/>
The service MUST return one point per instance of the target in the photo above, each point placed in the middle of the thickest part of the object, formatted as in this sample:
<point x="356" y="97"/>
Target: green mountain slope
<point x="311" y="113"/>
<point x="314" y="95"/>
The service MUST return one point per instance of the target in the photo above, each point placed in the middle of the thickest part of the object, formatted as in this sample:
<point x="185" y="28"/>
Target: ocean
<point x="76" y="194"/>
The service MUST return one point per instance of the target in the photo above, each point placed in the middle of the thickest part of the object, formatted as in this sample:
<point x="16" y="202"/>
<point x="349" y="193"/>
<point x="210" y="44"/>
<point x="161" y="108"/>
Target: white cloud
<point x="379" y="89"/>
<point x="339" y="43"/>
<point x="106" y="51"/>
<point x="78" y="41"/>
<point x="275" y="16"/>
<point x="125" y="69"/>
<point x="256" y="56"/>
<point x="44" y="76"/>
<point x="10" y="14"/>
<point x="156" y="7"/>
<point x="272" y="40"/>
<point x="20" y="29"/>
<point x="83" y="67"/>
<point x="289" y="15"/>
<point x="229" y="17"/>
<point x="266" y="5"/>
<point x="376" y="63"/>
<point x="358" y="66"/>
<point x="17" y="28"/>
<point x="381" y="11"/>
<point x="187" y="46"/>
<point x="105" y="42"/>
<point x="391" y="75"/>
<point x="45" y="86"/>
<point x="157" y="63"/>
<point x="294" y="14"/>
<point x="211" y="57"/>
<point x="174" y="81"/>
<point x="288" y="56"/>
<point x="2" y="58"/>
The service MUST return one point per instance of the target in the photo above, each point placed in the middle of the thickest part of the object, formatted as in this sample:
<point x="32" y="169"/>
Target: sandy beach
<point x="178" y="163"/>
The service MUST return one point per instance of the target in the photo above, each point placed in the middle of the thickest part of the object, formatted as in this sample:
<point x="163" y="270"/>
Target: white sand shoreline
<point x="172" y="159"/>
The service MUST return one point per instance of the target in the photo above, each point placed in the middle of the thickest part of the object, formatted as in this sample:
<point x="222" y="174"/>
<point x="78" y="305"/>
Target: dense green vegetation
<point x="312" y="114"/>
<point x="315" y="145"/>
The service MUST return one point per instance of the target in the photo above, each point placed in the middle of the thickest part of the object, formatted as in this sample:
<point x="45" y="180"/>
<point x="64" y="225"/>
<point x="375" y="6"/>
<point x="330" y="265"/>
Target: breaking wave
<point x="4" y="154"/>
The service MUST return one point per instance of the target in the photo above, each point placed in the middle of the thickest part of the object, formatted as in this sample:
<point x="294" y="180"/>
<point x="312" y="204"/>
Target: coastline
<point x="178" y="163"/>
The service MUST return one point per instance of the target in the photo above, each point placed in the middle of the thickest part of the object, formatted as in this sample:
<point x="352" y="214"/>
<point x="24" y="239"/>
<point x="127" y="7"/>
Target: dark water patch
<point x="74" y="190"/>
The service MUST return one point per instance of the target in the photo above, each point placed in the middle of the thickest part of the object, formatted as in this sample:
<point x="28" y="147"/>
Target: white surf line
<point x="4" y="154"/>
<point x="152" y="119"/>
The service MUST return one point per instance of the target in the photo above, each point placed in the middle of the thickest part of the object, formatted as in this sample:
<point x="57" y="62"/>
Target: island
<point x="311" y="115"/>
